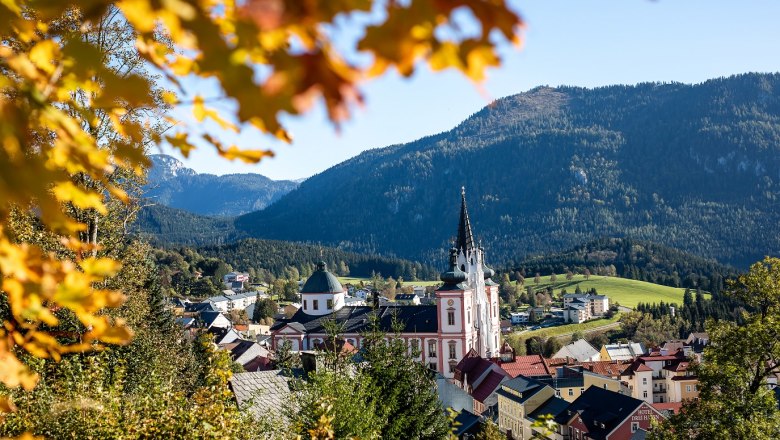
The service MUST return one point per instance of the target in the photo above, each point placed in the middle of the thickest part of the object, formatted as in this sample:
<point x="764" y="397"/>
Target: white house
<point x="518" y="318"/>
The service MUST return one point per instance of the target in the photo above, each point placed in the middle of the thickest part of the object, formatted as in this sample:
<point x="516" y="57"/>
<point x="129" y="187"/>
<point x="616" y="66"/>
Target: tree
<point x="264" y="308"/>
<point x="734" y="399"/>
<point x="405" y="391"/>
<point x="586" y="273"/>
<point x="79" y="110"/>
<point x="569" y="275"/>
<point x="576" y="336"/>
<point x="537" y="278"/>
<point x="490" y="431"/>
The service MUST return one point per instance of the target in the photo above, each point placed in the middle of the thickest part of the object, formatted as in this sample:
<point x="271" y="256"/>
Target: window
<point x="432" y="366"/>
<point x="634" y="426"/>
<point x="644" y="394"/>
<point x="305" y="304"/>
<point x="582" y="390"/>
<point x="329" y="304"/>
<point x="453" y="350"/>
<point x="688" y="388"/>
<point x="432" y="349"/>
<point x="450" y="317"/>
<point x="315" y="304"/>
<point x="644" y="381"/>
<point x="468" y="316"/>
<point x="452" y="368"/>
<point x="415" y="344"/>
<point x="571" y="391"/>
<point x="605" y="386"/>
<point x="695" y="388"/>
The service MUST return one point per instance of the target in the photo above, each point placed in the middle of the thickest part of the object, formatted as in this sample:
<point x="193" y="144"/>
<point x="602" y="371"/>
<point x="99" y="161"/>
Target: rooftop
<point x="416" y="319"/>
<point x="266" y="391"/>
<point x="531" y="365"/>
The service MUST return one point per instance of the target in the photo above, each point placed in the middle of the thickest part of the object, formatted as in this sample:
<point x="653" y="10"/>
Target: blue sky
<point x="567" y="42"/>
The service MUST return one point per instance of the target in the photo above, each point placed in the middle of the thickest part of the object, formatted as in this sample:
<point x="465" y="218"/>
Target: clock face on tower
<point x="450" y="302"/>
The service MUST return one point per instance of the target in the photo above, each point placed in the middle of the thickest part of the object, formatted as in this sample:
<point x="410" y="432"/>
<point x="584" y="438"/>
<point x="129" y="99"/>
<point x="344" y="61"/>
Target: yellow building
<point x="521" y="401"/>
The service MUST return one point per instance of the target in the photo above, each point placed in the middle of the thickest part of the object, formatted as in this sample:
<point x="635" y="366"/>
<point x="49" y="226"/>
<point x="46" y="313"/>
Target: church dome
<point x="489" y="273"/>
<point x="322" y="281"/>
<point x="454" y="275"/>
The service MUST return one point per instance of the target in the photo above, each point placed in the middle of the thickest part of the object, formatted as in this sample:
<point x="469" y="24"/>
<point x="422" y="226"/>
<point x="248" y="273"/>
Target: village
<point x="614" y="392"/>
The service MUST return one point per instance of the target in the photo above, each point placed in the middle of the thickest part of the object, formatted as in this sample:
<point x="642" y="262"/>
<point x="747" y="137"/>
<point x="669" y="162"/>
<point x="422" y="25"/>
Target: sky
<point x="587" y="43"/>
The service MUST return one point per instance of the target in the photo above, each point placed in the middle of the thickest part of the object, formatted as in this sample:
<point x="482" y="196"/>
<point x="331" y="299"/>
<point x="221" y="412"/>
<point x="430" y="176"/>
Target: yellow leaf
<point x="84" y="199"/>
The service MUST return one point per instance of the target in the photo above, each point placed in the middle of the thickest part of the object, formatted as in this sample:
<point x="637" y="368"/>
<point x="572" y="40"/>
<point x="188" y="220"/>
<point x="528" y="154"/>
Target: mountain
<point x="171" y="184"/>
<point x="164" y="226"/>
<point x="634" y="259"/>
<point x="695" y="167"/>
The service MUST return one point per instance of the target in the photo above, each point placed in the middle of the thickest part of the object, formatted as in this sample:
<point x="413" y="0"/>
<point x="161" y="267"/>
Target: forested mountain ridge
<point x="171" y="184"/>
<point x="695" y="167"/>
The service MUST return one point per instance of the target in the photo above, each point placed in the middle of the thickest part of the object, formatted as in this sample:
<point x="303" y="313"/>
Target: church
<point x="465" y="315"/>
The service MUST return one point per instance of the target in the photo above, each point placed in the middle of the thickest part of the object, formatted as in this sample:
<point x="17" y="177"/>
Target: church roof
<point x="415" y="319"/>
<point x="322" y="281"/>
<point x="465" y="237"/>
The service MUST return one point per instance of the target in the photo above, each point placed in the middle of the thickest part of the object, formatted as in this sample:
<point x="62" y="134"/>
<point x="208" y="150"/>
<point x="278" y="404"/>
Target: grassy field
<point x="355" y="281"/>
<point x="571" y="328"/>
<point x="627" y="292"/>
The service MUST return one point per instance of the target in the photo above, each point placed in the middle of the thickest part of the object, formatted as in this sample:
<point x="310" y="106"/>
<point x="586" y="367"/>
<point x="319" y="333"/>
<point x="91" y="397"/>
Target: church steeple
<point x="465" y="237"/>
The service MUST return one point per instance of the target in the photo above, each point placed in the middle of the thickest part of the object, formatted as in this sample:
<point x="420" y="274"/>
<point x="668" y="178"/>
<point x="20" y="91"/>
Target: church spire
<point x="465" y="237"/>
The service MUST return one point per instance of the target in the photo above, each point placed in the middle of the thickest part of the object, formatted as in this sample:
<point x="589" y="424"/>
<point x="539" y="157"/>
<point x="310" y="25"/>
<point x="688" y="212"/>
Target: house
<point x="570" y="382"/>
<point x="363" y="294"/>
<point x="261" y="393"/>
<point x="529" y="366"/>
<point x="185" y="322"/>
<point x="581" y="307"/>
<point x="523" y="400"/>
<point x="452" y="396"/>
<point x="419" y="291"/>
<point x="580" y="350"/>
<point x="622" y="352"/>
<point x="409" y="299"/>
<point x="600" y="414"/>
<point x="518" y="318"/>
<point x="235" y="280"/>
<point x="467" y="425"/>
<point x="353" y="301"/>
<point x="242" y="351"/>
<point x="481" y="379"/>
<point x="224" y="335"/>
<point x="213" y="319"/>
<point x="662" y="378"/>
<point x="195" y="308"/>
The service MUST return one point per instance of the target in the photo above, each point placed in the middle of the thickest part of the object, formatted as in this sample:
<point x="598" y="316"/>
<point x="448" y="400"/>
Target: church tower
<point x="484" y="293"/>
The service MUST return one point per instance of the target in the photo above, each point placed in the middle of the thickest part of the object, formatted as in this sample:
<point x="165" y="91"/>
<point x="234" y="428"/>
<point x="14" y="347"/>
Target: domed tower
<point x="322" y="293"/>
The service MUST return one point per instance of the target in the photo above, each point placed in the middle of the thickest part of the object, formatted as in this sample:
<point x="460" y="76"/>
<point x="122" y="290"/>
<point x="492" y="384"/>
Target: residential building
<point x="570" y="382"/>
<point x="622" y="352"/>
<point x="579" y="350"/>
<point x="407" y="299"/>
<point x="581" y="307"/>
<point x="662" y="378"/>
<point x="518" y="318"/>
<point x="529" y="366"/>
<point x="521" y="401"/>
<point x="480" y="378"/>
<point x="465" y="315"/>
<point x="600" y="414"/>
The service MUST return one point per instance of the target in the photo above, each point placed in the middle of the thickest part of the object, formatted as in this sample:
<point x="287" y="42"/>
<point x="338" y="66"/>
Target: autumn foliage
<point x="70" y="123"/>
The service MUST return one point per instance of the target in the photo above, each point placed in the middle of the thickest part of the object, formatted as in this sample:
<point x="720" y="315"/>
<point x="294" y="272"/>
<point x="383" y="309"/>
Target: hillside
<point x="695" y="167"/>
<point x="164" y="226"/>
<point x="627" y="292"/>
<point x="171" y="184"/>
<point x="634" y="259"/>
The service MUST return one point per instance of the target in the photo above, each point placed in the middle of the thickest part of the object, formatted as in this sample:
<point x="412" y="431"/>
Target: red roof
<point x="532" y="365"/>
<point x="606" y="368"/>
<point x="489" y="385"/>
<point x="674" y="407"/>
<point x="258" y="364"/>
